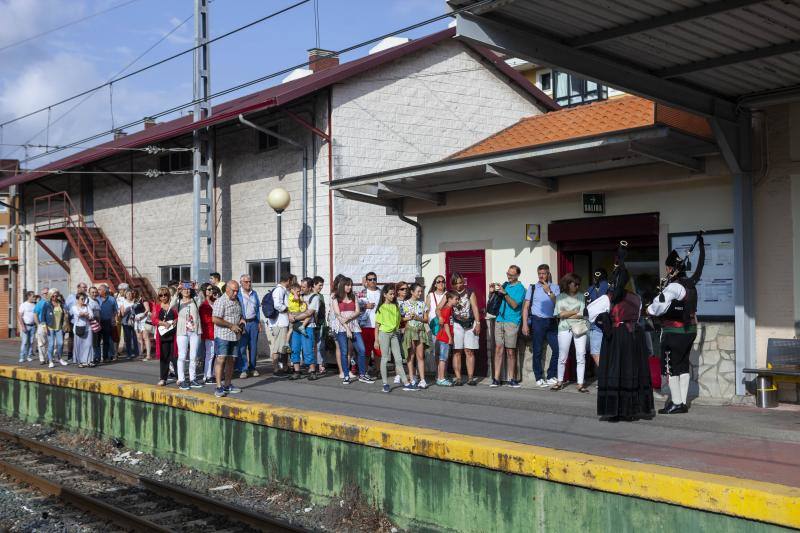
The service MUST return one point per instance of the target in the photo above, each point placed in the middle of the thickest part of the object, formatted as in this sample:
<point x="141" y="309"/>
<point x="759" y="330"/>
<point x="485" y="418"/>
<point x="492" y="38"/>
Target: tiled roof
<point x="607" y="116"/>
<point x="277" y="95"/>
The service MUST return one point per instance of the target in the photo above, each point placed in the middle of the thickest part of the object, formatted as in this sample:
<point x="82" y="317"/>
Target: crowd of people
<point x="206" y="334"/>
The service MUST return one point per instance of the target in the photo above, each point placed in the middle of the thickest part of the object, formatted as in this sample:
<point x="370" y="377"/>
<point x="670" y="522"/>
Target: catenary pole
<point x="202" y="164"/>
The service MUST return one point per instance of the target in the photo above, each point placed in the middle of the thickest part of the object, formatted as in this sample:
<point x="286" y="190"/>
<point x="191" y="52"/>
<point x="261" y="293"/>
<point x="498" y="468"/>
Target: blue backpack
<point x="268" y="306"/>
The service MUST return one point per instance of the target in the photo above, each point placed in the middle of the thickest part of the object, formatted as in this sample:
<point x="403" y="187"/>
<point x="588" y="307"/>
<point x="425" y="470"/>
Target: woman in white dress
<point x="82" y="347"/>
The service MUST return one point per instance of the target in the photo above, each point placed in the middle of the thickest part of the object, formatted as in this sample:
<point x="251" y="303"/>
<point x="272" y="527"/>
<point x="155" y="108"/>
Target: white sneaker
<point x="541" y="383"/>
<point x="352" y="376"/>
<point x="50" y="365"/>
<point x="29" y="359"/>
<point x="552" y="381"/>
<point x="397" y="379"/>
<point x="423" y="384"/>
<point x="63" y="362"/>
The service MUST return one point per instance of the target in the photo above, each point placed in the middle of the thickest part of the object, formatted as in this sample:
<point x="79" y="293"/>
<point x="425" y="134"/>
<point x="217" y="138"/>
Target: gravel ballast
<point x="27" y="510"/>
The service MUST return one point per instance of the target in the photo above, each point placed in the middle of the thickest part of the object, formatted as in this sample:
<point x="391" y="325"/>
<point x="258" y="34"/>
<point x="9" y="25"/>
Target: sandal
<point x="583" y="388"/>
<point x="558" y="386"/>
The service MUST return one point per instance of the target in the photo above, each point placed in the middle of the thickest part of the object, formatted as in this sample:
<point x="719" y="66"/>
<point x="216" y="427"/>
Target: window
<point x="3" y="236"/>
<point x="175" y="161"/>
<point x="569" y="90"/>
<point x="267" y="142"/>
<point x="4" y="200"/>
<point x="175" y="272"/>
<point x="546" y="81"/>
<point x="263" y="272"/>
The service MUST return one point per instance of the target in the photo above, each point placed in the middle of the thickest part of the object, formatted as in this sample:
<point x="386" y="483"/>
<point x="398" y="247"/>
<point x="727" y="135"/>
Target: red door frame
<point x="475" y="277"/>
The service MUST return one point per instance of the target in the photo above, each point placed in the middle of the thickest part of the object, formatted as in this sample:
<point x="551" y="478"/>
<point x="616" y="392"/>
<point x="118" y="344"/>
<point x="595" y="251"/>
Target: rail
<point x="107" y="510"/>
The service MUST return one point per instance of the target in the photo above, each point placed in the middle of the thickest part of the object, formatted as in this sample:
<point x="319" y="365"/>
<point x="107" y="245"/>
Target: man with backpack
<point x="274" y="307"/>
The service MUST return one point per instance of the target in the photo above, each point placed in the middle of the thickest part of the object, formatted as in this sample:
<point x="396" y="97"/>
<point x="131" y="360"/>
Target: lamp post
<point x="278" y="200"/>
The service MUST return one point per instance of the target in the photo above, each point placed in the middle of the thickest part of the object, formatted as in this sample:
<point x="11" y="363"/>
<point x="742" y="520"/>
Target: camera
<point x="186" y="285"/>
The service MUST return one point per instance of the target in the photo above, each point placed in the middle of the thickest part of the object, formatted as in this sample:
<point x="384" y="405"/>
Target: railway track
<point x="126" y="499"/>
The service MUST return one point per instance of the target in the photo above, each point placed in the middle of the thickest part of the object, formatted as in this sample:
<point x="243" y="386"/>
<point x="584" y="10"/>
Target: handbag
<point x="80" y="331"/>
<point x="579" y="329"/>
<point x="95" y="325"/>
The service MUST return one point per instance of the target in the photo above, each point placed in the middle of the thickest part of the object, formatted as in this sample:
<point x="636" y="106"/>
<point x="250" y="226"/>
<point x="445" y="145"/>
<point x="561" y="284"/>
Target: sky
<point x="46" y="69"/>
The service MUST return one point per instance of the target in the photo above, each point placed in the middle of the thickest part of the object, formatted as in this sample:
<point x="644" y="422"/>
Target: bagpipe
<point x="683" y="264"/>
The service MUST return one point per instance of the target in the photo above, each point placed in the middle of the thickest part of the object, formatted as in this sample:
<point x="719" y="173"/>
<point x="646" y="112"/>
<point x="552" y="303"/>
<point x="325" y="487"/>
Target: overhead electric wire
<point x="66" y="25"/>
<point x="126" y="67"/>
<point x="157" y="63"/>
<point x="267" y="77"/>
<point x="148" y="149"/>
<point x="150" y="173"/>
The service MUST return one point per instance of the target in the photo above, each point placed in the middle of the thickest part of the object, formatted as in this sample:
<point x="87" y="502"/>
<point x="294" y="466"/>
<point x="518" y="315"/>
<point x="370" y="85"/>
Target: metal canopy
<point x="715" y="58"/>
<point x="538" y="166"/>
<point x="735" y="50"/>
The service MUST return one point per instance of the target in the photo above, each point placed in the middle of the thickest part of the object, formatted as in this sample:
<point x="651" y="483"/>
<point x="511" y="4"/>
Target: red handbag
<point x="655" y="371"/>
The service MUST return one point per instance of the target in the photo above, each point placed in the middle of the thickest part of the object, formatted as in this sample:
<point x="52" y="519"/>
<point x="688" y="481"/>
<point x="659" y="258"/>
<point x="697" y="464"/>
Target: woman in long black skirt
<point x="624" y="389"/>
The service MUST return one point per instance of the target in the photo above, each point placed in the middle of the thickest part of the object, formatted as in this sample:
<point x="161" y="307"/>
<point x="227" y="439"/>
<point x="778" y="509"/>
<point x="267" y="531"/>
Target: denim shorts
<point x="223" y="348"/>
<point x="443" y="350"/>
<point x="595" y="339"/>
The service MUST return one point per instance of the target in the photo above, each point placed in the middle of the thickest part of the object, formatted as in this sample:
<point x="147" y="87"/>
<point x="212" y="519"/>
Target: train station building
<point x="695" y="147"/>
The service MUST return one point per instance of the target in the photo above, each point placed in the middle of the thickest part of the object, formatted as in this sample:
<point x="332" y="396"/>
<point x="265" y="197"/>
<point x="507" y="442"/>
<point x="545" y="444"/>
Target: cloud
<point x="20" y="19"/>
<point x="60" y="76"/>
<point x="185" y="35"/>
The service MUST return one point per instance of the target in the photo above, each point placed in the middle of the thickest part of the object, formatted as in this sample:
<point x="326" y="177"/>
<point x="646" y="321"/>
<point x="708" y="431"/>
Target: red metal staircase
<point x="55" y="217"/>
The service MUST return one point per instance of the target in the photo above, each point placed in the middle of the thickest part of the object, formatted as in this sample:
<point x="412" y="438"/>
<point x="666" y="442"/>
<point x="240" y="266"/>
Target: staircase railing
<point x="56" y="211"/>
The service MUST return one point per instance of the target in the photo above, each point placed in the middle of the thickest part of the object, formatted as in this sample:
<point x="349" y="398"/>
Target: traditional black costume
<point x="676" y="307"/>
<point x="624" y="388"/>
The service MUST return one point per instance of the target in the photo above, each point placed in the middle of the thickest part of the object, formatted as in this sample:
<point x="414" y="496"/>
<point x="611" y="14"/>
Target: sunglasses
<point x="163" y="295"/>
<point x="402" y="288"/>
<point x="372" y="279"/>
<point x="438" y="281"/>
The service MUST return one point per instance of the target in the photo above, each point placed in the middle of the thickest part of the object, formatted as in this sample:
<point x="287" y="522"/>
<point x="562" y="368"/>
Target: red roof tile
<point x="271" y="97"/>
<point x="618" y="114"/>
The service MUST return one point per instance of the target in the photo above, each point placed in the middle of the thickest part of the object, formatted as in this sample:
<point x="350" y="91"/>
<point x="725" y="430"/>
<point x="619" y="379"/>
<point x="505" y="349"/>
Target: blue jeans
<point x="358" y="344"/>
<point x="131" y="343"/>
<point x="303" y="342"/>
<point x="27" y="337"/>
<point x="55" y="345"/>
<point x="249" y="340"/>
<point x="544" y="329"/>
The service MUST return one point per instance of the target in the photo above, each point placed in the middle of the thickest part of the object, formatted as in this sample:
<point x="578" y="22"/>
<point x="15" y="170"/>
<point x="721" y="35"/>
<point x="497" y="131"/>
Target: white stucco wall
<point x="418" y="109"/>
<point x="502" y="229"/>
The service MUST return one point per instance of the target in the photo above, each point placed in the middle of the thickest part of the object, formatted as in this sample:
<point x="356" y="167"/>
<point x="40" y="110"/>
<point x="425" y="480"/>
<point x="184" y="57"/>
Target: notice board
<point x="715" y="289"/>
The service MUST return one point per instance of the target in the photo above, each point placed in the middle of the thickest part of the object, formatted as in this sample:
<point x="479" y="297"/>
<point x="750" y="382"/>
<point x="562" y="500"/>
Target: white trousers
<point x="565" y="339"/>
<point x="208" y="368"/>
<point x="41" y="341"/>
<point x="187" y="345"/>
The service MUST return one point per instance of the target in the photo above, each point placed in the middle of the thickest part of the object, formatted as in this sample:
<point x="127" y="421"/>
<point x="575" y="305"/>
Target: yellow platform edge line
<point x="753" y="500"/>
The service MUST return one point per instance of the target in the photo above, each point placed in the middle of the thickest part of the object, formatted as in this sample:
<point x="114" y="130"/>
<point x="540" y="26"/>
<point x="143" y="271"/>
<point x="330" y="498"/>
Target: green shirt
<point x="565" y="302"/>
<point x="388" y="316"/>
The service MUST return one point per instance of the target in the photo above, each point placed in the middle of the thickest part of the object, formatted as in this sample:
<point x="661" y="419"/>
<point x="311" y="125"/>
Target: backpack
<point x="268" y="306"/>
<point x="320" y="316"/>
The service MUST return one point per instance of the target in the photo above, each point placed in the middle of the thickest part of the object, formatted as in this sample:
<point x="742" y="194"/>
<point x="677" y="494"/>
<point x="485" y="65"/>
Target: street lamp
<point x="278" y="200"/>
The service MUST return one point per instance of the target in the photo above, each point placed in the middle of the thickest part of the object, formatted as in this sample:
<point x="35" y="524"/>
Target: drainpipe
<point x="330" y="178"/>
<point x="304" y="149"/>
<point x="418" y="226"/>
<point x="314" y="186"/>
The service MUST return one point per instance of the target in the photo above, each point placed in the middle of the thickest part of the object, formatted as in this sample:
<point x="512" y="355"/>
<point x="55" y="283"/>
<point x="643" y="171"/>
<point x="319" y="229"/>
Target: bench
<point x="783" y="363"/>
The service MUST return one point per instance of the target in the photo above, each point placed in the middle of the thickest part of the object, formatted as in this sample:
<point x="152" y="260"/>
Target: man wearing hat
<point x="676" y="307"/>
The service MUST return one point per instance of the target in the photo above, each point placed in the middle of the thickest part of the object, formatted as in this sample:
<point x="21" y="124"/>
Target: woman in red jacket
<point x="211" y="292"/>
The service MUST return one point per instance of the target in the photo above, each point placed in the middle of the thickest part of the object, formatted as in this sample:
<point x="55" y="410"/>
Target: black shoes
<point x="673" y="409"/>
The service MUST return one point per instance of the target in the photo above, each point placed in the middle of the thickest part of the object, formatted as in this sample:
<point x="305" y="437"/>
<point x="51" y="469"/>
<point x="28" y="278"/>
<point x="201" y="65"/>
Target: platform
<point x="745" y="444"/>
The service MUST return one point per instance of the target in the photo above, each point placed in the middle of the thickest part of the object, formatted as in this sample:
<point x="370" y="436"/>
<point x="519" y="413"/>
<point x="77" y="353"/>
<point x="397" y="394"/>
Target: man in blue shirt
<point x="506" y="327"/>
<point x="108" y="317"/>
<point x="41" y="326"/>
<point x="251" y="313"/>
<point x="538" y="321"/>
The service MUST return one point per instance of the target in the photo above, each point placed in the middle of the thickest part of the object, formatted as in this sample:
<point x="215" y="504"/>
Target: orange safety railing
<point x="56" y="211"/>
